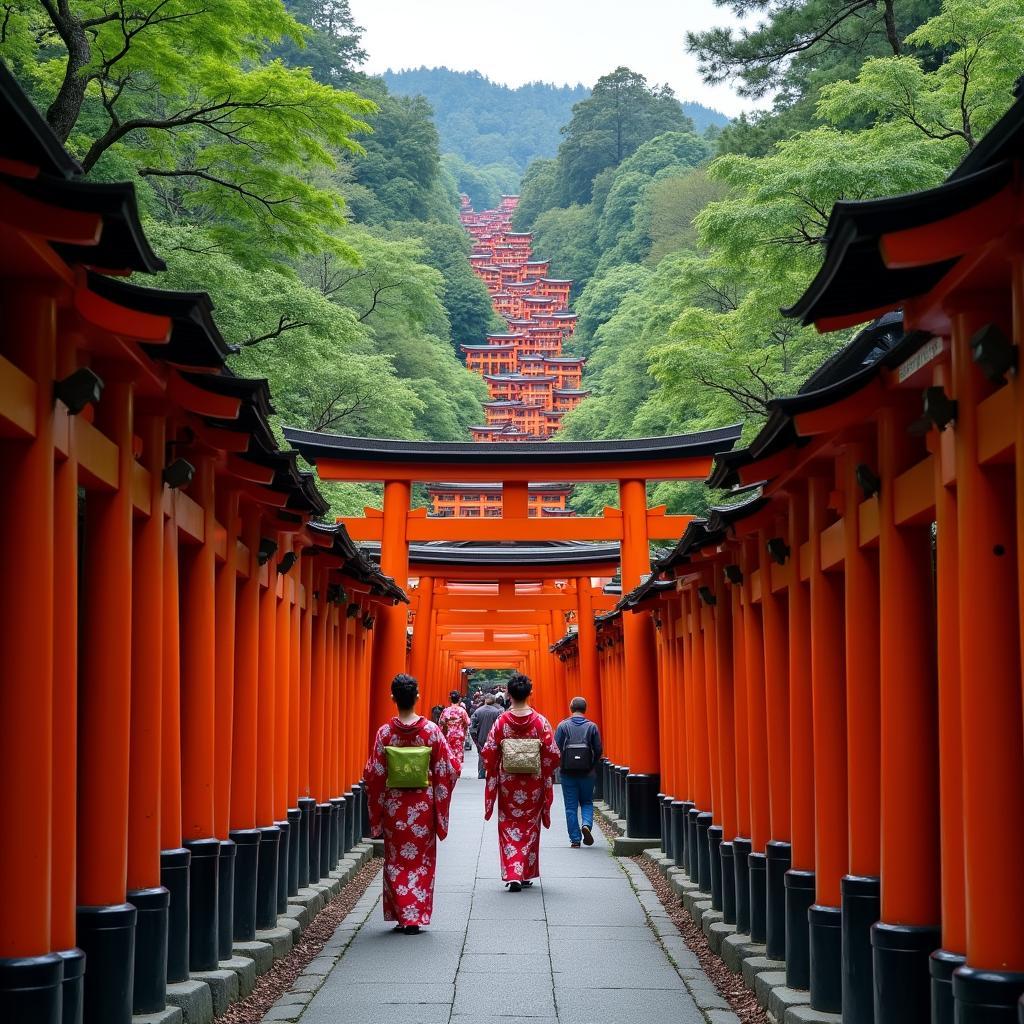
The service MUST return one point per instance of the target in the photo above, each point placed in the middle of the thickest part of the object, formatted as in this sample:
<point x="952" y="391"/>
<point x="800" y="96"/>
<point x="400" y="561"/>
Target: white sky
<point x="516" y="41"/>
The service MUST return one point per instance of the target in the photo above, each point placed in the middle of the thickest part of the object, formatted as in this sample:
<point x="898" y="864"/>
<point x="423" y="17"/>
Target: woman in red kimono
<point x="411" y="820"/>
<point x="524" y="801"/>
<point x="454" y="722"/>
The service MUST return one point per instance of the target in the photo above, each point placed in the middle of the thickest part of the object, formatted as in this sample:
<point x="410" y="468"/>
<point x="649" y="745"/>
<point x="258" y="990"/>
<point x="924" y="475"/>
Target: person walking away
<point x="409" y="781"/>
<point x="454" y="722"/>
<point x="480" y="726"/>
<point x="520" y="759"/>
<point x="579" y="742"/>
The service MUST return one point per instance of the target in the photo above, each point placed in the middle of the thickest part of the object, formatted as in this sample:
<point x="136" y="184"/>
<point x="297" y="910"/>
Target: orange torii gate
<point x="630" y="464"/>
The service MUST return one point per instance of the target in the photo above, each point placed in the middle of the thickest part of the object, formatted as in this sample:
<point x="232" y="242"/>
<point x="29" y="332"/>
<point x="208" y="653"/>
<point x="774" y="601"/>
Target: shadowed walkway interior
<point x="589" y="942"/>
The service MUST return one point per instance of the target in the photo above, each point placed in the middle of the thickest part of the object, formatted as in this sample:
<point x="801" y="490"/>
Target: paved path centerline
<point x="579" y="947"/>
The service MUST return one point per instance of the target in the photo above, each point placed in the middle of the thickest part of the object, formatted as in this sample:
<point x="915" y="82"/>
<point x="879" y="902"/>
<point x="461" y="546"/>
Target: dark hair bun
<point x="404" y="691"/>
<point x="519" y="686"/>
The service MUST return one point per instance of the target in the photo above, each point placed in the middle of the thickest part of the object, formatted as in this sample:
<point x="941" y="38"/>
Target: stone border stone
<point x="209" y="994"/>
<point x="766" y="978"/>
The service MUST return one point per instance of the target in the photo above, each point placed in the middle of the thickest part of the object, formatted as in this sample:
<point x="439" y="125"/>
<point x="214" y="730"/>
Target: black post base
<point x="30" y="989"/>
<point x="941" y="965"/>
<point x="307" y="808"/>
<point x="107" y="937"/>
<point x="72" y="987"/>
<point x="664" y="830"/>
<point x="202" y="903"/>
<point x="314" y="845"/>
<point x="599" y="780"/>
<point x="294" y="822"/>
<point x="677" y="819"/>
<point x="704" y="819"/>
<point x="337" y="827"/>
<point x="757" y="871"/>
<point x="826" y="943"/>
<point x="861" y="901"/>
<point x="266" y="877"/>
<point x="986" y="997"/>
<point x="692" y="844"/>
<point x="902" y="982"/>
<point x="726" y="853"/>
<point x="149" y="982"/>
<point x="799" y="898"/>
<point x="741" y="858"/>
<point x="226" y="898"/>
<point x="282" y="866"/>
<point x="642" y="806"/>
<point x="243" y="903"/>
<point x="352" y="818"/>
<point x="323" y="824"/>
<point x="715" y="865"/>
<point x="174" y="875"/>
<point x="622" y="773"/>
<point x="777" y="858"/>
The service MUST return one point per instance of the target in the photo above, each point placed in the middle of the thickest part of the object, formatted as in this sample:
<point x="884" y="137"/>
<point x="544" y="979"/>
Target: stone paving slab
<point x="588" y="943"/>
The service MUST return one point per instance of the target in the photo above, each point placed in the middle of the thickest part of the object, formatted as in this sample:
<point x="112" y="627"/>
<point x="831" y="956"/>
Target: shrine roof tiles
<point x="485" y="553"/>
<point x="316" y="446"/>
<point x="27" y="138"/>
<point x="855" y="278"/>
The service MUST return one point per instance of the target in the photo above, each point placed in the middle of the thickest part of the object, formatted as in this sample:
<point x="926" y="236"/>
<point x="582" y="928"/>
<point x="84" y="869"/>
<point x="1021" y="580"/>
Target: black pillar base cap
<point x="226" y="898"/>
<point x="777" y="858"/>
<point x="106" y="934"/>
<point x="757" y="874"/>
<point x="715" y="865"/>
<point x="245" y="837"/>
<point x="306" y="801"/>
<point x="860" y="899"/>
<point x="902" y="983"/>
<point x="986" y="997"/>
<point x="800" y="889"/>
<point x="175" y="860"/>
<point x="643" y="815"/>
<point x="149" y="990"/>
<point x="30" y="988"/>
<point x="942" y="964"/>
<point x="228" y="849"/>
<point x="72" y="989"/>
<point x="174" y="874"/>
<point x="202" y="848"/>
<point x="825" y="925"/>
<point x="270" y="833"/>
<point x="294" y="814"/>
<point x="741" y="853"/>
<point x="725" y="852"/>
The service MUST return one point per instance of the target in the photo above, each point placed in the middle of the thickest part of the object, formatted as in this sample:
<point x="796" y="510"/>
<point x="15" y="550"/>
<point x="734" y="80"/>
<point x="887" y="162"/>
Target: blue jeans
<point x="578" y="794"/>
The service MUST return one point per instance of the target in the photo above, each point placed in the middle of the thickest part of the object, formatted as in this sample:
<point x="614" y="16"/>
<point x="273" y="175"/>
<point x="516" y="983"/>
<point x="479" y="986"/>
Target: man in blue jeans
<point x="580" y="743"/>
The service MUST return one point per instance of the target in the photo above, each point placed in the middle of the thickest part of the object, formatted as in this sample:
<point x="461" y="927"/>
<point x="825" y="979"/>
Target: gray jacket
<point x="482" y="721"/>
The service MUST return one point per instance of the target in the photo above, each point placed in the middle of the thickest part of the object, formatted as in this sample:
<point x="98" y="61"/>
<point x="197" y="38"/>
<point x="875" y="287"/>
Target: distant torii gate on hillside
<point x="630" y="464"/>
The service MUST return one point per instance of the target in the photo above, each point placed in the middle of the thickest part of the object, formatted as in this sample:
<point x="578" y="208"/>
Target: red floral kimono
<point x="411" y="820"/>
<point x="454" y="722"/>
<point x="524" y="801"/>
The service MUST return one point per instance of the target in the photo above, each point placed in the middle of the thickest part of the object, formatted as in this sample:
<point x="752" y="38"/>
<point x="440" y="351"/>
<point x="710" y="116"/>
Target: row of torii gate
<point x="497" y="592"/>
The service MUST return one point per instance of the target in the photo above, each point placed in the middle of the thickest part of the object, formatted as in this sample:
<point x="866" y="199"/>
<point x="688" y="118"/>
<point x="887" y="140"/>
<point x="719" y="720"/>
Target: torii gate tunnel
<point x="813" y="702"/>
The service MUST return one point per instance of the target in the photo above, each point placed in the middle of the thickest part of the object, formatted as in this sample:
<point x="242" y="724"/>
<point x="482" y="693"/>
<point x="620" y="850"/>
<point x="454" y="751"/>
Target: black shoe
<point x="515" y="886"/>
<point x="412" y="929"/>
<point x="527" y="884"/>
<point x="574" y="846"/>
<point x="588" y="836"/>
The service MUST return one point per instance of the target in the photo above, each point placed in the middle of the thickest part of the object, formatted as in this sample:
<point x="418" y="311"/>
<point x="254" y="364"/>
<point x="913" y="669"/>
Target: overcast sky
<point x="516" y="41"/>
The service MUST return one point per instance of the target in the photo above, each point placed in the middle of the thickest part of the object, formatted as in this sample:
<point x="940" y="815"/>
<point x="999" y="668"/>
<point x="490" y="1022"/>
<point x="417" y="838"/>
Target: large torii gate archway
<point x="630" y="464"/>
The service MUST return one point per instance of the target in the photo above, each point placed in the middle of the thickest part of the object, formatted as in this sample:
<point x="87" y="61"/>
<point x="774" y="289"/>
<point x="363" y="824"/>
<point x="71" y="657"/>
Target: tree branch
<point x="283" y="325"/>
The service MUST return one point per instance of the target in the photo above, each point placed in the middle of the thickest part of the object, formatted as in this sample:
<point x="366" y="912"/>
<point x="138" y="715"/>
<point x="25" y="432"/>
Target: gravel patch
<point x="742" y="1001"/>
<point x="280" y="978"/>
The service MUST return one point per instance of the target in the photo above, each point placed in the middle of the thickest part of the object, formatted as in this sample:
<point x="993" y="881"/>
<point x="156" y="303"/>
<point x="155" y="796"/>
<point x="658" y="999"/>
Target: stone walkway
<point x="589" y="944"/>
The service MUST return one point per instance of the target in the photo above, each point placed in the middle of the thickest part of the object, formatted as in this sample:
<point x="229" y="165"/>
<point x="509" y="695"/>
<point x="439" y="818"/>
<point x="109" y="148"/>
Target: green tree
<point x="622" y="113"/>
<point x="568" y="237"/>
<point x="331" y="46"/>
<point x="181" y="95"/>
<point x="673" y="205"/>
<point x="538" y="192"/>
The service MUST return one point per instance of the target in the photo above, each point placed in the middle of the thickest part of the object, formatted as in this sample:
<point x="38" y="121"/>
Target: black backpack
<point x="578" y="754"/>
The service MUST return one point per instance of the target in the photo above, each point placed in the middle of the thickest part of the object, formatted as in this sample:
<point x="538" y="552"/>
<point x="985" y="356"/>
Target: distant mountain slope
<point x="704" y="117"/>
<point x="487" y="123"/>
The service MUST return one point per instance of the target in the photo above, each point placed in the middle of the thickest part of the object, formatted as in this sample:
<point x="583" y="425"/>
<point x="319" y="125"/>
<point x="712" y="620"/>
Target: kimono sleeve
<point x="442" y="779"/>
<point x="375" y="773"/>
<point x="550" y="758"/>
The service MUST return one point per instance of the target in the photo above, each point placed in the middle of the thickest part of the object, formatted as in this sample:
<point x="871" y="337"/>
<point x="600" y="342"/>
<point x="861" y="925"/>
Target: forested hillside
<point x="310" y="202"/>
<point x="684" y="255"/>
<point x="490" y="133"/>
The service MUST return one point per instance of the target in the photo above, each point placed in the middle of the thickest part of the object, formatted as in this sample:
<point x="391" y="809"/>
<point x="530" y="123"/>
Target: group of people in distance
<point x="415" y="763"/>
